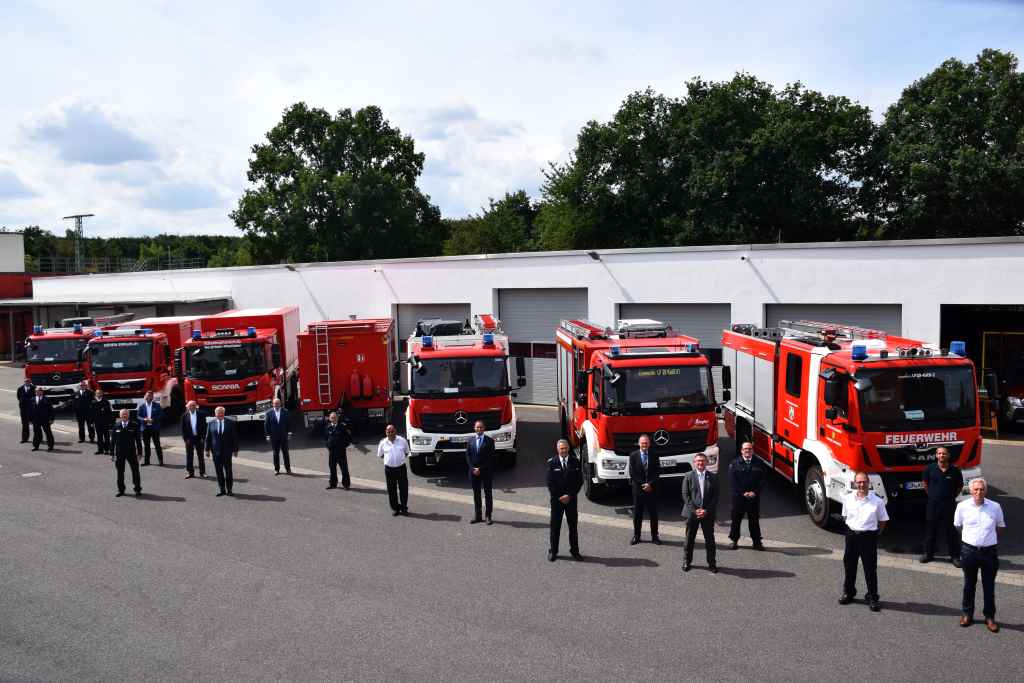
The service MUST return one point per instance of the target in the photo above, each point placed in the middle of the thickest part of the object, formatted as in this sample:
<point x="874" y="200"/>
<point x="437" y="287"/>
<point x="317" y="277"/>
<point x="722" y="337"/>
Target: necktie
<point x="643" y="458"/>
<point x="699" y="500"/>
<point x="563" y="464"/>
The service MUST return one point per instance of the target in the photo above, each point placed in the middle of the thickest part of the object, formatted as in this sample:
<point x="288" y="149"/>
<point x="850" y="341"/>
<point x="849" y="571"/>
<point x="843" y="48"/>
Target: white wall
<point x="920" y="275"/>
<point x="12" y="252"/>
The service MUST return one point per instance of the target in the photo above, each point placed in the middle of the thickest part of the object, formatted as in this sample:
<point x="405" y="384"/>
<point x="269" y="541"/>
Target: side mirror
<point x="177" y="362"/>
<point x="726" y="395"/>
<point x="831" y="413"/>
<point x="726" y="378"/>
<point x="520" y="367"/>
<point x="833" y="392"/>
<point x="992" y="386"/>
<point x="521" y="382"/>
<point x="275" y="356"/>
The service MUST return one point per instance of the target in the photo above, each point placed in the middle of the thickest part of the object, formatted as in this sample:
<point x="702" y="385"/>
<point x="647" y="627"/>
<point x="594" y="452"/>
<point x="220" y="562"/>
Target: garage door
<point x="530" y="317"/>
<point x="703" y="321"/>
<point x="410" y="314"/>
<point x="886" y="317"/>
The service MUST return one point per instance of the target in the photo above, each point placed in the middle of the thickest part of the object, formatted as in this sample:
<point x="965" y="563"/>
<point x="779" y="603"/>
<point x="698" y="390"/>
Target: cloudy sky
<point x="144" y="112"/>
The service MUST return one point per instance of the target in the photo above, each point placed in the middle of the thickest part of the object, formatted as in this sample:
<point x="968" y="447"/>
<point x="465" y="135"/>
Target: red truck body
<point x="349" y="364"/>
<point x="54" y="360"/>
<point x="242" y="360"/>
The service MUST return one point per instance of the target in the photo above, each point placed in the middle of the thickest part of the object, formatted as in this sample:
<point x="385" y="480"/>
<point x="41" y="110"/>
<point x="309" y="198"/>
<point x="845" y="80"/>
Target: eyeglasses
<point x="860" y="483"/>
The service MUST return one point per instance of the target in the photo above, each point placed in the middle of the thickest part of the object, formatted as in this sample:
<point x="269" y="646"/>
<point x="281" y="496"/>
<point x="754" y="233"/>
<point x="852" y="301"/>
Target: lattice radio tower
<point x="78" y="237"/>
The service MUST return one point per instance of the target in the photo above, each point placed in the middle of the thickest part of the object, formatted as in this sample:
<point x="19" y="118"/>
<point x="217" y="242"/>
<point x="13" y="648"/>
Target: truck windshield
<point x="639" y="391"/>
<point x="908" y="399"/>
<point x="464" y="376"/>
<point x="225" y="361"/>
<point x="121" y="356"/>
<point x="54" y="350"/>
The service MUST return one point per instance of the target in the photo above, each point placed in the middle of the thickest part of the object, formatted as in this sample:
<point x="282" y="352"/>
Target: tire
<point x="418" y="464"/>
<point x="508" y="459"/>
<point x="564" y="423"/>
<point x="177" y="402"/>
<point x="593" y="491"/>
<point x="816" y="502"/>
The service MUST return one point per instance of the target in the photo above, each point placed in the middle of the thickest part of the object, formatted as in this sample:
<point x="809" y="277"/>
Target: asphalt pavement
<point x="288" y="581"/>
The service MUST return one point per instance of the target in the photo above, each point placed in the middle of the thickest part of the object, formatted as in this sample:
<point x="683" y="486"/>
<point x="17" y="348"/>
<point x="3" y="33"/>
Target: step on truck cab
<point x="54" y="360"/>
<point x="821" y="401"/>
<point x="347" y="364"/>
<point x="243" y="360"/>
<point x="640" y="378"/>
<point x="132" y="358"/>
<point x="459" y="373"/>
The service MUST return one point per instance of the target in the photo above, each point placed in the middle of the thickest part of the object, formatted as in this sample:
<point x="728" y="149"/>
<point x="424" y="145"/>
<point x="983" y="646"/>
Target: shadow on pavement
<point x="755" y="573"/>
<point x="521" y="525"/>
<point x="620" y="561"/>
<point x="161" y="499"/>
<point x="260" y="497"/>
<point x="436" y="517"/>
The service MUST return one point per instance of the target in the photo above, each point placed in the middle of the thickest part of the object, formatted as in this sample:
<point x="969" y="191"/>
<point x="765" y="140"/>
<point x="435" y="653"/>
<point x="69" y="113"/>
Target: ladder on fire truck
<point x="323" y="363"/>
<point x="831" y="331"/>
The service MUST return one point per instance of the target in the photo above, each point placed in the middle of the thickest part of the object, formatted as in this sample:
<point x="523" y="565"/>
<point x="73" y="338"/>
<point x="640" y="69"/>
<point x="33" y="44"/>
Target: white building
<point x="935" y="290"/>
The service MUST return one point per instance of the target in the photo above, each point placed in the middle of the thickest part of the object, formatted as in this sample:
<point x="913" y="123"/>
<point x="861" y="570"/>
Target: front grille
<point x="679" y="443"/>
<point x="910" y="455"/>
<point x="114" y="386"/>
<point x="50" y="379"/>
<point x="227" y="398"/>
<point x="459" y="422"/>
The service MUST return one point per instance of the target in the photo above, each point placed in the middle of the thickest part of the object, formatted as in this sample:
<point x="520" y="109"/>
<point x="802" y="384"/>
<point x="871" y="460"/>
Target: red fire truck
<point x="54" y="360"/>
<point x="459" y="373"/>
<point x="243" y="360"/>
<point x="347" y="363"/>
<point x="128" y="360"/>
<point x="821" y="401"/>
<point x="642" y="378"/>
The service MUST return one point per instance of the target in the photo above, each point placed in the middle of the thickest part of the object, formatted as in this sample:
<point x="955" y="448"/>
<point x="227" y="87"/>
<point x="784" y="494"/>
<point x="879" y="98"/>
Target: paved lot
<point x="289" y="581"/>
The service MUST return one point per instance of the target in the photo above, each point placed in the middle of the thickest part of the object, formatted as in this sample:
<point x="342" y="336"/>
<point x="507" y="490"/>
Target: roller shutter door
<point x="886" y="317"/>
<point x="530" y="317"/>
<point x="410" y="314"/>
<point x="703" y="321"/>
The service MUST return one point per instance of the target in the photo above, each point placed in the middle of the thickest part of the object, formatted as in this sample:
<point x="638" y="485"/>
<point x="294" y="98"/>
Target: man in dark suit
<point x="481" y="460"/>
<point x="337" y="438"/>
<point x="83" y="412"/>
<point x="700" y="498"/>
<point x="277" y="427"/>
<point x="222" y="444"/>
<point x="565" y="479"/>
<point x="193" y="433"/>
<point x="26" y="394"/>
<point x="150" y="414"/>
<point x="644" y="470"/>
<point x="42" y="416"/>
<point x="126" y="450"/>
<point x="746" y="479"/>
<point x="103" y="417"/>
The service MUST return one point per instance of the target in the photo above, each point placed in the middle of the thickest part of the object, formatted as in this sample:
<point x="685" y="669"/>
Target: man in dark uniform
<point x="83" y="412"/>
<point x="125" y="445"/>
<point x="746" y="478"/>
<point x="564" y="479"/>
<point x="337" y="437"/>
<point x="42" y="416"/>
<point x="103" y="417"/>
<point x="277" y="427"/>
<point x="644" y="470"/>
<point x="700" y="499"/>
<point x="26" y="394"/>
<point x="481" y="460"/>
<point x="222" y="444"/>
<point x="150" y="415"/>
<point x="193" y="432"/>
<point x="943" y="481"/>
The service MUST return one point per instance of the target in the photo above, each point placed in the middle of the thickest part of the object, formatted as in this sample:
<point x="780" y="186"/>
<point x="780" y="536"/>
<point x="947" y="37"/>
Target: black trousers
<point x="148" y="436"/>
<point x="222" y="464"/>
<point x="194" y="447"/>
<point x="485" y="482"/>
<point x="38" y="429"/>
<point x="707" y="527"/>
<point x="337" y="458"/>
<point x="280" y="447"/>
<point x="862" y="546"/>
<point x="751" y="507"/>
<point x="26" y="422"/>
<point x="644" y="501"/>
<point x="973" y="559"/>
<point x="133" y="462"/>
<point x="558" y="509"/>
<point x="939" y="518"/>
<point x="103" y="438"/>
<point x="397" y="479"/>
<point x="83" y="422"/>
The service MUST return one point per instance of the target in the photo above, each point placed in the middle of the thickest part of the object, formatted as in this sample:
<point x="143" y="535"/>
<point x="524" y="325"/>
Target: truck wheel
<point x="591" y="490"/>
<point x="177" y="402"/>
<point x="508" y="459"/>
<point x="564" y="423"/>
<point x="418" y="464"/>
<point x="816" y="501"/>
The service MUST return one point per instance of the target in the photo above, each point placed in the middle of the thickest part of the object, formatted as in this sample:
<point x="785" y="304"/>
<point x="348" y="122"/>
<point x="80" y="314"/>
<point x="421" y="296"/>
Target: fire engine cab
<point x="641" y="378"/>
<point x="459" y="374"/>
<point x="821" y="401"/>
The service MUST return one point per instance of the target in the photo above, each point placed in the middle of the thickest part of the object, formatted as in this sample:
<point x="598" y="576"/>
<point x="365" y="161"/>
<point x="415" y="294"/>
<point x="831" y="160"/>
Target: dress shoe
<point x="221" y="494"/>
<point x="576" y="556"/>
<point x="874" y="605"/>
<point x="687" y="567"/>
<point x="734" y="545"/>
<point x="845" y="599"/>
<point x="332" y="486"/>
<point x="231" y="494"/>
<point x="396" y="513"/>
<point x="190" y="476"/>
<point x="49" y="449"/>
<point x="289" y="472"/>
<point x="956" y="562"/>
<point x="24" y="441"/>
<point x="36" y="448"/>
<point x="925" y="559"/>
<point x="475" y="520"/>
<point x="277" y="474"/>
<point x="98" y="453"/>
<point x="145" y="464"/>
<point x="759" y="546"/>
<point x="634" y="540"/>
<point x="490" y="521"/>
<point x="81" y="441"/>
<point x="992" y="626"/>
<point x="965" y="620"/>
<point x="713" y="568"/>
<point x="138" y="494"/>
<point x="656" y="541"/>
<point x="405" y="512"/>
<point x="552" y="555"/>
<point x="118" y="494"/>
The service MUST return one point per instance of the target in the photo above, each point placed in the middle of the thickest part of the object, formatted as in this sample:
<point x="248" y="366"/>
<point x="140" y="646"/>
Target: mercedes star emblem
<point x="661" y="437"/>
<point x="56" y="377"/>
<point x="460" y="417"/>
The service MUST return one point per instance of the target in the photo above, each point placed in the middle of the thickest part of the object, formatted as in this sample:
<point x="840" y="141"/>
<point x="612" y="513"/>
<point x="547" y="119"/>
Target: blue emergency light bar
<point x="488" y="339"/>
<point x="614" y="351"/>
<point x="859" y="352"/>
<point x="37" y="329"/>
<point x="77" y="328"/>
<point x="958" y="347"/>
<point x="196" y="334"/>
<point x="427" y="342"/>
<point x="251" y="331"/>
<point x="97" y="333"/>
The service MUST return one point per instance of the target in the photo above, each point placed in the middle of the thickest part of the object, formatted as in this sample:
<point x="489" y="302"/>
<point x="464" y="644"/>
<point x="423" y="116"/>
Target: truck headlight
<point x="501" y="437"/>
<point x="712" y="458"/>
<point x="610" y="464"/>
<point x="421" y="441"/>
<point x="251" y="385"/>
<point x="1014" y="401"/>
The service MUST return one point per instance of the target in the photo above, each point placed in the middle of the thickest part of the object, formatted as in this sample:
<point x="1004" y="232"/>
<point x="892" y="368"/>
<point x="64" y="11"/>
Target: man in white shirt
<point x="978" y="519"/>
<point x="193" y="432"/>
<point x="394" y="451"/>
<point x="865" y="517"/>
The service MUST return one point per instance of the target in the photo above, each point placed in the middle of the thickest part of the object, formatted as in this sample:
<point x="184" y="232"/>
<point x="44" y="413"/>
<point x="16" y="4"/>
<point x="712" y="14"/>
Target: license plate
<point x="463" y="440"/>
<point x="666" y="462"/>
<point x="375" y="412"/>
<point x="914" y="485"/>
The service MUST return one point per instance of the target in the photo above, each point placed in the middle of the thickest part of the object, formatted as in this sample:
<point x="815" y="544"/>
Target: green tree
<point x="341" y="187"/>
<point x="506" y="225"/>
<point x="949" y="155"/>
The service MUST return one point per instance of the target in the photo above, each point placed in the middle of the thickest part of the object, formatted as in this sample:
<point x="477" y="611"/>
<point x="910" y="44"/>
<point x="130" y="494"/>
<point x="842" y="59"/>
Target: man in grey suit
<point x="700" y="498"/>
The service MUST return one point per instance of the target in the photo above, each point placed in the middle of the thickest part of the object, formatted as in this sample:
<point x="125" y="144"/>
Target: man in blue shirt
<point x="480" y="458"/>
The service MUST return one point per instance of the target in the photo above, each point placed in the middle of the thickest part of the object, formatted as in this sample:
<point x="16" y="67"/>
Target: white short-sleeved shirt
<point x="978" y="522"/>
<point x="864" y="514"/>
<point x="393" y="452"/>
